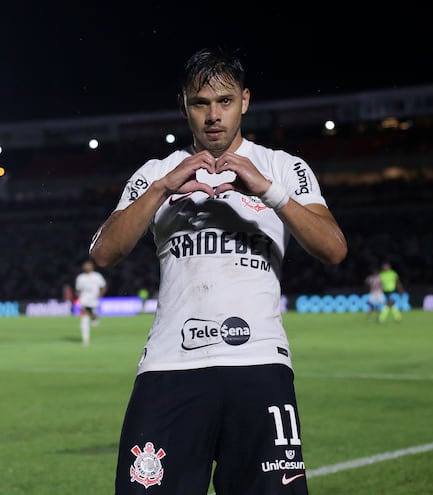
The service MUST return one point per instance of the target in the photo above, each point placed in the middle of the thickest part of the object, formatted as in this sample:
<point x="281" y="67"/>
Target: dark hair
<point x="220" y="64"/>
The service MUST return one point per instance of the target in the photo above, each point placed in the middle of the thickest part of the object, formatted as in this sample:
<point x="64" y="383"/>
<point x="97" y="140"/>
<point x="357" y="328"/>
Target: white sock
<point x="85" y="329"/>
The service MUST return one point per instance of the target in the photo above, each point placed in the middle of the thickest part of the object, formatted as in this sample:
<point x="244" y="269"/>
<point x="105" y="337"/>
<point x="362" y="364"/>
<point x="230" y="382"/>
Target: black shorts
<point x="178" y="423"/>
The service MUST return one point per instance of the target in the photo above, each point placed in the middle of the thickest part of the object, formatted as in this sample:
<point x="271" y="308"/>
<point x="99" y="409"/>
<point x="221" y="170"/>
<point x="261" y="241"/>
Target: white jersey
<point x="89" y="286"/>
<point x="220" y="263"/>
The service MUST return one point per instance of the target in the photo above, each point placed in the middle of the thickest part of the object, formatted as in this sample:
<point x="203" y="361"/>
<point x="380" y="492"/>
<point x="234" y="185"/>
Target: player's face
<point x="214" y="115"/>
<point x="87" y="267"/>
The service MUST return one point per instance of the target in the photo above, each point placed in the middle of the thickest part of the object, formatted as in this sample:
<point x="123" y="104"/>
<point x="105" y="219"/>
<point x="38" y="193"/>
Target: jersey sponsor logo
<point x="303" y="180"/>
<point x="282" y="465"/>
<point x="256" y="247"/>
<point x="147" y="468"/>
<point x="197" y="333"/>
<point x="235" y="331"/>
<point x="211" y="242"/>
<point x="287" y="481"/>
<point x="254" y="203"/>
<point x="136" y="187"/>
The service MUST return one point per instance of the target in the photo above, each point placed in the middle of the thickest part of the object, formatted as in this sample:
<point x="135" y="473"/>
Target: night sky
<point x="78" y="59"/>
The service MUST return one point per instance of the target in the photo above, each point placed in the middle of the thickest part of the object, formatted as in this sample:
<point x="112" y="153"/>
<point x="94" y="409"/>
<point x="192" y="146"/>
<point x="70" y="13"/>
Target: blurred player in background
<point x="215" y="379"/>
<point x="90" y="286"/>
<point x="376" y="296"/>
<point x="391" y="284"/>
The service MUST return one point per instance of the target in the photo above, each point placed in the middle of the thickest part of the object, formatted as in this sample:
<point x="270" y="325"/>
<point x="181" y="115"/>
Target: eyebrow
<point x="196" y="97"/>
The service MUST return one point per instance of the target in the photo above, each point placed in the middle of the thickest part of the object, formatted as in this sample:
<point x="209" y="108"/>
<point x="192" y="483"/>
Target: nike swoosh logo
<point x="173" y="200"/>
<point x="286" y="481"/>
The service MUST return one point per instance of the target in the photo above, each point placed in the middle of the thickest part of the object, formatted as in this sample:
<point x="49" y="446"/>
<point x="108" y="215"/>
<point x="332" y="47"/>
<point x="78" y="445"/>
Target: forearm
<point x="316" y="230"/>
<point x="122" y="230"/>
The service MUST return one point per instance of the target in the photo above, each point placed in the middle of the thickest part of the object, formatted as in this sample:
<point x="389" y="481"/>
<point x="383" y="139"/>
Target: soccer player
<point x="391" y="284"/>
<point x="215" y="379"/>
<point x="90" y="286"/>
<point x="376" y="296"/>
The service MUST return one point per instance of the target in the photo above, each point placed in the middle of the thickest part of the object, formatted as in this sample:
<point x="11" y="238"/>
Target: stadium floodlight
<point x="93" y="144"/>
<point x="170" y="138"/>
<point x="329" y="125"/>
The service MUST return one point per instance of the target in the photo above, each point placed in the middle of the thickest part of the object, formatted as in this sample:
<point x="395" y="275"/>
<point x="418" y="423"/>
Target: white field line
<point x="365" y="461"/>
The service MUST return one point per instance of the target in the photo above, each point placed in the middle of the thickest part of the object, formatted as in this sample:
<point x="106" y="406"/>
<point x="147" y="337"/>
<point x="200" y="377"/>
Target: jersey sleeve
<point x="136" y="185"/>
<point x="301" y="182"/>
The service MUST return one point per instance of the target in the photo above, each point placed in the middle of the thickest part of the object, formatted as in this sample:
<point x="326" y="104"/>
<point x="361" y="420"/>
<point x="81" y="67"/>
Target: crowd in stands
<point x="43" y="243"/>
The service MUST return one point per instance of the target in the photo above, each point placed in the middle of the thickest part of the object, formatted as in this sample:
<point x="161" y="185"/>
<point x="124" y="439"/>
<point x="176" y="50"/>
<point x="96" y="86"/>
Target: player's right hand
<point x="183" y="178"/>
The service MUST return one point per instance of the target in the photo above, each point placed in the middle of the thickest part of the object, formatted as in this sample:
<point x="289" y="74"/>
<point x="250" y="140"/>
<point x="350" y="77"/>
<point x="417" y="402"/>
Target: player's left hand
<point x="249" y="179"/>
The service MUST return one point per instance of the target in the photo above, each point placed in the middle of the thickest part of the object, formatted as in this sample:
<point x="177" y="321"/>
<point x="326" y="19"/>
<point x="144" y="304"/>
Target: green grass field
<point x="364" y="389"/>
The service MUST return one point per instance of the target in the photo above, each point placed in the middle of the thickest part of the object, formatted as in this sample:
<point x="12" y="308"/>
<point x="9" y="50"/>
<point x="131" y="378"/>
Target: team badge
<point x="290" y="454"/>
<point x="254" y="203"/>
<point x="147" y="468"/>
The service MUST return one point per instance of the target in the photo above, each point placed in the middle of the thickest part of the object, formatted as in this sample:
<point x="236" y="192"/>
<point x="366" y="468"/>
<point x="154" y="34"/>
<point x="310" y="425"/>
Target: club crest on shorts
<point x="290" y="454"/>
<point x="147" y="468"/>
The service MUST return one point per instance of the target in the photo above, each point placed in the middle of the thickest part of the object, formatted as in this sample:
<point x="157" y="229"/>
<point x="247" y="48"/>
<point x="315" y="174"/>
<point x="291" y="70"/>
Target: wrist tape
<point x="276" y="196"/>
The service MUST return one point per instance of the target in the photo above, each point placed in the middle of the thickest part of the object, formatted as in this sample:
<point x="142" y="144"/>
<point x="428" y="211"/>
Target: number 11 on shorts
<point x="281" y="438"/>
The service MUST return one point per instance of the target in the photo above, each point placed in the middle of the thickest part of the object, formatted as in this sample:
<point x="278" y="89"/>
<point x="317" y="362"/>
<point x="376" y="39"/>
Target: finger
<point x="226" y="186"/>
<point x="206" y="163"/>
<point x="206" y="188"/>
<point x="221" y="165"/>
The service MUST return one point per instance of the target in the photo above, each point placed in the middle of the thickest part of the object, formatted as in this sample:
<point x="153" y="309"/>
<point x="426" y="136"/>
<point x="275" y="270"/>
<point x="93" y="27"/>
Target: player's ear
<point x="181" y="103"/>
<point x="245" y="100"/>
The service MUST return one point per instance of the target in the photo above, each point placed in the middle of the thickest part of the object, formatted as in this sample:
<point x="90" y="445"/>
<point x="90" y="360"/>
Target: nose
<point x="213" y="114"/>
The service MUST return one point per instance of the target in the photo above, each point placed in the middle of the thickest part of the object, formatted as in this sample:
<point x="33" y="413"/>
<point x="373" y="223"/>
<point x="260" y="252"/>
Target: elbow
<point x="336" y="259"/>
<point x="100" y="259"/>
<point x="336" y="255"/>
<point x="333" y="253"/>
<point x="101" y="262"/>
<point x="99" y="253"/>
<point x="104" y="256"/>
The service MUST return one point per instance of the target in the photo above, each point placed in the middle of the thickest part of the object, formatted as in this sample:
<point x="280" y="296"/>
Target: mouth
<point x="213" y="133"/>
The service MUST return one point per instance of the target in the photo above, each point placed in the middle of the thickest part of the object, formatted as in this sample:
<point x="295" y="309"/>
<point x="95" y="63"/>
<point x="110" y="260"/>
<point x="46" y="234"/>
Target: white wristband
<point x="276" y="196"/>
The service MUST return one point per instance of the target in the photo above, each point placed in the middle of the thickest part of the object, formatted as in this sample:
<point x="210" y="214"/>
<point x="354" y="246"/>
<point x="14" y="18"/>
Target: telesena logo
<point x="197" y="333"/>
